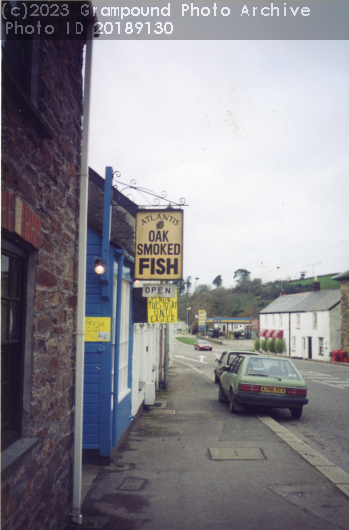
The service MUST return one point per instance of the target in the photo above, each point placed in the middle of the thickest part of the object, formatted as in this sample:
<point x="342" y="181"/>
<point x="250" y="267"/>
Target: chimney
<point x="315" y="286"/>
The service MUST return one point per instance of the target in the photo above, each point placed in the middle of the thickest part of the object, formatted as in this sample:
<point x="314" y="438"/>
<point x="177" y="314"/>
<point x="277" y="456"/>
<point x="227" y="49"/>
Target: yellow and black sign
<point x="97" y="329"/>
<point x="159" y="245"/>
<point x="162" y="310"/>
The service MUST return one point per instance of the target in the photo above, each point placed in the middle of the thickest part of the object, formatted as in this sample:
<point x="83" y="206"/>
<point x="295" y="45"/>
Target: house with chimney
<point x="309" y="323"/>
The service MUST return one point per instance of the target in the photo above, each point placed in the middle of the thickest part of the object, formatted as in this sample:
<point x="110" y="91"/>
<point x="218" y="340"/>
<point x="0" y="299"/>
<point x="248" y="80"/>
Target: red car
<point x="202" y="345"/>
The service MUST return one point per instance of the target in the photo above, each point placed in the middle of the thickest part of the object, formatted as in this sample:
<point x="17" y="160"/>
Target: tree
<point x="180" y="286"/>
<point x="202" y="288"/>
<point x="188" y="283"/>
<point x="241" y="275"/>
<point x="218" y="281"/>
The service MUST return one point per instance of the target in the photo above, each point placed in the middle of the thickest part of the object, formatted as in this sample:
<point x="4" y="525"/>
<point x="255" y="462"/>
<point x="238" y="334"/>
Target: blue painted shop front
<point x="108" y="364"/>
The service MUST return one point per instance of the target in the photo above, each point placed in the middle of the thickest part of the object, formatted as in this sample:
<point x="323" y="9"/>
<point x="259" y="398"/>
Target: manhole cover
<point x="132" y="484"/>
<point x="236" y="453"/>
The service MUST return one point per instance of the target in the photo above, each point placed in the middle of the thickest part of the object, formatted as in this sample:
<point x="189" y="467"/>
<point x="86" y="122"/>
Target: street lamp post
<point x="188" y="319"/>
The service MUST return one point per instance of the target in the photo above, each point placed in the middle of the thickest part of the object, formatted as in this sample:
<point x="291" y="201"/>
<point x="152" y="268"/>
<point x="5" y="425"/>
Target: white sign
<point x="164" y="291"/>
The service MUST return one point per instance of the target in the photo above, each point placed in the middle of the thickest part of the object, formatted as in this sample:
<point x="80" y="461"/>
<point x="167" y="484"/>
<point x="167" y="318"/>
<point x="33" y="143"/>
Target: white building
<point x="310" y="323"/>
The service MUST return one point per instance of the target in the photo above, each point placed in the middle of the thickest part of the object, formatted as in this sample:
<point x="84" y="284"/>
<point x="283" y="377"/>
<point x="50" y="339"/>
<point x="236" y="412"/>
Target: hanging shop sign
<point x="97" y="329"/>
<point x="159" y="245"/>
<point x="165" y="291"/>
<point x="162" y="310"/>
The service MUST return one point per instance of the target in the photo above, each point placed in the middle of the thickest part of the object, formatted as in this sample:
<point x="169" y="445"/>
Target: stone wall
<point x="345" y="314"/>
<point x="40" y="170"/>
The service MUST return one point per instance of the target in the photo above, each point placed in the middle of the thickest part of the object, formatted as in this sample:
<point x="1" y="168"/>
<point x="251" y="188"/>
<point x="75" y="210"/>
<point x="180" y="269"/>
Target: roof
<point x="122" y="232"/>
<point x="311" y="301"/>
<point x="342" y="276"/>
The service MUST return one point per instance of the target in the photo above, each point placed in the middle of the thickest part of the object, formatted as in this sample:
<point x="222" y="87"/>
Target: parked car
<point x="202" y="345"/>
<point x="213" y="333"/>
<point x="263" y="381"/>
<point x="225" y="360"/>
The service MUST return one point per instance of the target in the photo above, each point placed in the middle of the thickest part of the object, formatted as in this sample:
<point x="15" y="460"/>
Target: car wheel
<point x="221" y="395"/>
<point x="232" y="408"/>
<point x="297" y="412"/>
<point x="216" y="378"/>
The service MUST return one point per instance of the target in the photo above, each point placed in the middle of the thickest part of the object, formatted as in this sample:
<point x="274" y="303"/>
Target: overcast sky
<point x="253" y="134"/>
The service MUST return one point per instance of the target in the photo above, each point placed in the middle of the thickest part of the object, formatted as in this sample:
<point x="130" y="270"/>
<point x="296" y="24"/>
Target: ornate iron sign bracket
<point x="154" y="200"/>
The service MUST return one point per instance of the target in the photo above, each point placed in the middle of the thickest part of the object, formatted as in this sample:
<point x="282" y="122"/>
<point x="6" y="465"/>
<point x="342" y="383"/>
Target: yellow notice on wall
<point x="97" y="329"/>
<point x="162" y="310"/>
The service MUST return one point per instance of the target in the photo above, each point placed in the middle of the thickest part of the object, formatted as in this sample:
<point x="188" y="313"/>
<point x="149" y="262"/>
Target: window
<point x="280" y="321"/>
<point x="314" y="320"/>
<point x="321" y="346"/>
<point x="298" y="320"/>
<point x="293" y="343"/>
<point x="281" y="368"/>
<point x="13" y="271"/>
<point x="235" y="365"/>
<point x="223" y="358"/>
<point x="274" y="321"/>
<point x="303" y="344"/>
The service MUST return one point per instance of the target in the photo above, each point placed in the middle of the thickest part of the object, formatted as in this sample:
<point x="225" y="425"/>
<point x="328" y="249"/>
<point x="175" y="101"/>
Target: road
<point x="325" y="420"/>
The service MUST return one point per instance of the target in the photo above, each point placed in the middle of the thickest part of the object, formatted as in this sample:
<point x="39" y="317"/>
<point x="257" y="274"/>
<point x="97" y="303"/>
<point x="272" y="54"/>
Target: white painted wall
<point x="172" y="331"/>
<point x="279" y="321"/>
<point x="146" y="340"/>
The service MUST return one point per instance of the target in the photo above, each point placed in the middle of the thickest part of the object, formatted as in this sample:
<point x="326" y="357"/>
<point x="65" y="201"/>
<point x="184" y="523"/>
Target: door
<point x="310" y="350"/>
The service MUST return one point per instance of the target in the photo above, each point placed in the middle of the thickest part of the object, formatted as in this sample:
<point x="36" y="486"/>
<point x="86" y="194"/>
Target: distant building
<point x="310" y="323"/>
<point x="228" y="325"/>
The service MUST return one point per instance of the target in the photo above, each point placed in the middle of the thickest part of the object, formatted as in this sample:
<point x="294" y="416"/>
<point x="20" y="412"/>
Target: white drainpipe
<point x="80" y="336"/>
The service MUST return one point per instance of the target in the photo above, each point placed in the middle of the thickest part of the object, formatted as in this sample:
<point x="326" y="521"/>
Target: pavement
<point x="189" y="464"/>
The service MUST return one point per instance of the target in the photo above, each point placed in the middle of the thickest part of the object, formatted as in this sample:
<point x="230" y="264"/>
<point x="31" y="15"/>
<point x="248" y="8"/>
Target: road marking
<point x="198" y="371"/>
<point x="189" y="359"/>
<point x="324" y="379"/>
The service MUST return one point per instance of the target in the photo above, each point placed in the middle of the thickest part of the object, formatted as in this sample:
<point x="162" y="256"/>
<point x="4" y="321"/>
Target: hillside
<point x="244" y="300"/>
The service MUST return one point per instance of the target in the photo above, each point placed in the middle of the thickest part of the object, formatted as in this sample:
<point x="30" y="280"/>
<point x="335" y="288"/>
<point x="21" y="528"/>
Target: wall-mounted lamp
<point x="99" y="266"/>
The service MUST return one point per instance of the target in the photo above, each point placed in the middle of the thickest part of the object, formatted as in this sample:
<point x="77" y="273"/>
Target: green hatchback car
<point x="263" y="381"/>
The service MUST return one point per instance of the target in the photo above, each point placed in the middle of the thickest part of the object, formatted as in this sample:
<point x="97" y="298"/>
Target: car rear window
<point x="271" y="367"/>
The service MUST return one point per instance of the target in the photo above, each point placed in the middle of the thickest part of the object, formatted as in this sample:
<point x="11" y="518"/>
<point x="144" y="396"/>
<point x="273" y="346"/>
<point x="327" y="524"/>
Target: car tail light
<point x="300" y="392"/>
<point x="245" y="387"/>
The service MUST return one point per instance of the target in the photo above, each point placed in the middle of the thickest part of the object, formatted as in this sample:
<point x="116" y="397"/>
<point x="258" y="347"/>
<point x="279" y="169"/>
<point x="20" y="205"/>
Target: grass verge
<point x="186" y="340"/>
